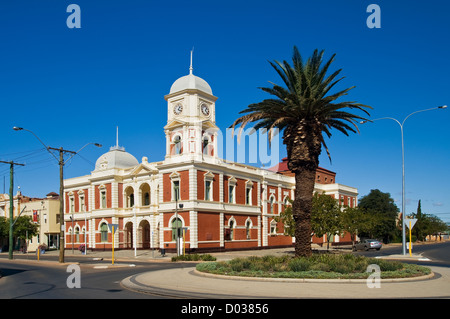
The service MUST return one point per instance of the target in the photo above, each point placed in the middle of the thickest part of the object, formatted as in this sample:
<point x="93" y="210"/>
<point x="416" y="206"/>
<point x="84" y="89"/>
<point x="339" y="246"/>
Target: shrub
<point x="316" y="266"/>
<point x="299" y="264"/>
<point x="194" y="257"/>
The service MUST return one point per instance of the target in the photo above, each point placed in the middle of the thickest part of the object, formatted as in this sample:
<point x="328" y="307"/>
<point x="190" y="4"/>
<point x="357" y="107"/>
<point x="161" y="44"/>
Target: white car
<point x="367" y="244"/>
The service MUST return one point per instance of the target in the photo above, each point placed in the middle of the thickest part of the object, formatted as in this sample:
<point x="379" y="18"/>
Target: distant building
<point x="44" y="212"/>
<point x="222" y="205"/>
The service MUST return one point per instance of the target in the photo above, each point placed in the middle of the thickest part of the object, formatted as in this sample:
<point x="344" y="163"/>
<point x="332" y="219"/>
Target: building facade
<point x="192" y="194"/>
<point x="43" y="211"/>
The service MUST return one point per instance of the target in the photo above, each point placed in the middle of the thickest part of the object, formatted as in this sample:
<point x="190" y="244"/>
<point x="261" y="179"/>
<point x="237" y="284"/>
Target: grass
<point x="320" y="266"/>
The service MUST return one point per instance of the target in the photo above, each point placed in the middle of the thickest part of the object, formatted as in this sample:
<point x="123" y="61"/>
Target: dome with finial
<point x="190" y="81"/>
<point x="116" y="158"/>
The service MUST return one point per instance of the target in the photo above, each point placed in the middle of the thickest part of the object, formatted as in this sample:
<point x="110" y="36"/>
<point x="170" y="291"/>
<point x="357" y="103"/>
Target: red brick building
<point x="213" y="204"/>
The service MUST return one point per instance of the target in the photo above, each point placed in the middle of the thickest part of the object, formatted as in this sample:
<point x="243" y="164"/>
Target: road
<point x="23" y="279"/>
<point x="26" y="279"/>
<point x="438" y="253"/>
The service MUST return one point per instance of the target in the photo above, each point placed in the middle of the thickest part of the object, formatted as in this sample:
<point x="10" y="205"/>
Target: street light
<point x="61" y="163"/>
<point x="403" y="167"/>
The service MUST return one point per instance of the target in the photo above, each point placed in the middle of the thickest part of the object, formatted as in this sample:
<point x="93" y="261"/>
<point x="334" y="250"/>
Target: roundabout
<point x="188" y="283"/>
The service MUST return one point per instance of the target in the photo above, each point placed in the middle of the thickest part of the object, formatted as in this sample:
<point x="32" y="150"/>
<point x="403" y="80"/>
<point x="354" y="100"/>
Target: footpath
<point x="186" y="282"/>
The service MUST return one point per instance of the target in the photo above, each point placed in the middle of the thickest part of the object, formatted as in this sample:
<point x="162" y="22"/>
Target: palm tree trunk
<point x="301" y="210"/>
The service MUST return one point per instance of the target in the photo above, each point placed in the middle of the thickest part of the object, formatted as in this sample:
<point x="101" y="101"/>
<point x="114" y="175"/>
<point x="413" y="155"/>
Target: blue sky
<point x="74" y="86"/>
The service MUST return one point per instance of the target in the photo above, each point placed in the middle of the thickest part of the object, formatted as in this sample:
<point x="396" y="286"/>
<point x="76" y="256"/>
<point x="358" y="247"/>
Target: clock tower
<point x="191" y="132"/>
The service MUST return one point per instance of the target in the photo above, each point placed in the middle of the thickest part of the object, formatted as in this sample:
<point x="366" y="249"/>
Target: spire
<point x="117" y="136"/>
<point x="191" y="68"/>
<point x="117" y="147"/>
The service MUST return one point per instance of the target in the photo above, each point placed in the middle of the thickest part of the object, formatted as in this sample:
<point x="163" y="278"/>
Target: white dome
<point x="116" y="158"/>
<point x="190" y="81"/>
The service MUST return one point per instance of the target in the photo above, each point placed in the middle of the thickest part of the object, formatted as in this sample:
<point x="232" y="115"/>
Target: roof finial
<point x="117" y="147"/>
<point x="191" y="68"/>
<point x="117" y="136"/>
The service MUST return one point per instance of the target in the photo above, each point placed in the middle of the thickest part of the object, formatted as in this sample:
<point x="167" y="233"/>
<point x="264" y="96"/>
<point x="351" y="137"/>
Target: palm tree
<point x="304" y="110"/>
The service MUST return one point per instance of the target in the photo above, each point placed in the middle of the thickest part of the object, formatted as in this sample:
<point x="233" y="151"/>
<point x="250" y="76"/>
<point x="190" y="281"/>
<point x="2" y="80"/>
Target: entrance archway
<point x="129" y="235"/>
<point x="144" y="232"/>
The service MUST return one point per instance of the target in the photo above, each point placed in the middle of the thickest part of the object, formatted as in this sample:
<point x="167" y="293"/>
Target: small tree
<point x="353" y="221"/>
<point x="325" y="216"/>
<point x="287" y="219"/>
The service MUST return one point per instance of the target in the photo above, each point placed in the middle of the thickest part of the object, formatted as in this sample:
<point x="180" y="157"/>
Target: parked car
<point x="367" y="244"/>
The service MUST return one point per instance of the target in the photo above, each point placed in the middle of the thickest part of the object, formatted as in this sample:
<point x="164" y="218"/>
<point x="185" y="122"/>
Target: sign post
<point x="410" y="222"/>
<point x="113" y="228"/>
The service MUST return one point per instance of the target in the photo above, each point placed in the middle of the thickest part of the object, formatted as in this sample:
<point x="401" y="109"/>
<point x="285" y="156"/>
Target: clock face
<point x="178" y="109"/>
<point x="205" y="109"/>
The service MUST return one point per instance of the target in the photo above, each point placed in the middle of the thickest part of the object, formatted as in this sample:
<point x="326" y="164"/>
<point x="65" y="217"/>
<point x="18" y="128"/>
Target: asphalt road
<point x="22" y="279"/>
<point x="25" y="280"/>
<point x="438" y="253"/>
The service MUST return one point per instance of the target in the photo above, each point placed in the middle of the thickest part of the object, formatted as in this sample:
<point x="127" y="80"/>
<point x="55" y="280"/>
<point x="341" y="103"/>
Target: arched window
<point x="177" y="142"/>
<point x="145" y="194"/>
<point x="232" y="225"/>
<point x="129" y="197"/>
<point x="104" y="233"/>
<point x="77" y="234"/>
<point x="205" y="143"/>
<point x="272" y="204"/>
<point x="248" y="225"/>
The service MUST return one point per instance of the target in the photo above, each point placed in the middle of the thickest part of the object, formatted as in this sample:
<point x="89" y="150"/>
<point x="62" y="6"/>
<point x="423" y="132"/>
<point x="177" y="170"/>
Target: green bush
<point x="194" y="257"/>
<point x="316" y="266"/>
<point x="299" y="264"/>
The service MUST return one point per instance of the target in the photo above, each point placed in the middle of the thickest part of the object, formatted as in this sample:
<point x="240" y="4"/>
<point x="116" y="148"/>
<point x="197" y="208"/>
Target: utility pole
<point x="61" y="199"/>
<point x="11" y="204"/>
<point x="61" y="163"/>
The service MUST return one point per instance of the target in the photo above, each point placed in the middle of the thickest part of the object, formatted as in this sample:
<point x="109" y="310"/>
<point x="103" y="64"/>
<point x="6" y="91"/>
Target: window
<point x="231" y="194"/>
<point x="248" y="192"/>
<point x="131" y="200"/>
<point x="176" y="225"/>
<point x="273" y="227"/>
<point x="271" y="203"/>
<point x="176" y="190"/>
<point x="205" y="143"/>
<point x="145" y="191"/>
<point x="103" y="198"/>
<point x="207" y="190"/>
<point x="129" y="197"/>
<point x="177" y="142"/>
<point x="72" y="204"/>
<point x="232" y="224"/>
<point x="248" y="225"/>
<point x="104" y="233"/>
<point x="77" y="234"/>
<point x="82" y="207"/>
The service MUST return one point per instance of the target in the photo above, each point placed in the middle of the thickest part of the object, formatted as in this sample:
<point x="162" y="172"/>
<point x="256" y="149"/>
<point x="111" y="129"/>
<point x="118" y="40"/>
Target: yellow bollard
<point x="410" y="254"/>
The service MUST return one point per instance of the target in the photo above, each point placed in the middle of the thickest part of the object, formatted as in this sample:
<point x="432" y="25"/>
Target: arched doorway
<point x="129" y="235"/>
<point x="144" y="228"/>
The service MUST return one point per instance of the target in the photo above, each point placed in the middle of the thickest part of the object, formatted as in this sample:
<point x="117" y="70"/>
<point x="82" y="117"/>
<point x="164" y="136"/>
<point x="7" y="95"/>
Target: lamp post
<point x="403" y="166"/>
<point x="61" y="163"/>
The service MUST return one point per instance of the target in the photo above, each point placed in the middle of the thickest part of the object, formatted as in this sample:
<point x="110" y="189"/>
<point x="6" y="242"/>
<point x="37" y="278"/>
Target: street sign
<point x="110" y="226"/>
<point x="409" y="222"/>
